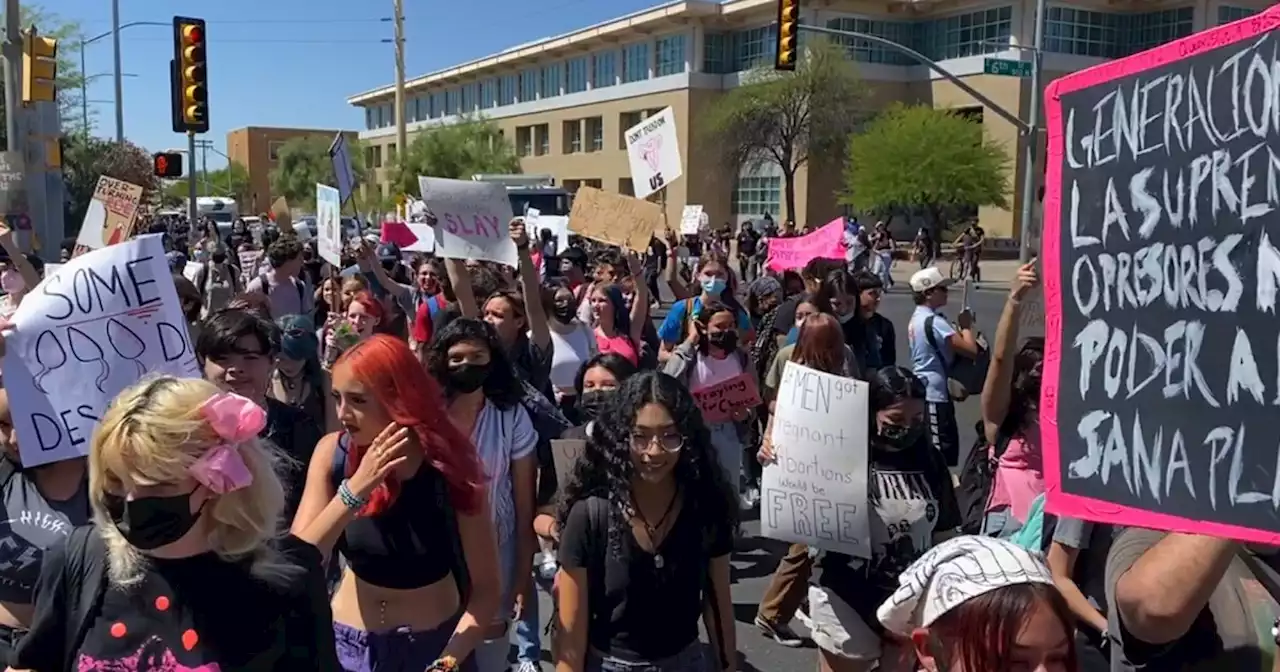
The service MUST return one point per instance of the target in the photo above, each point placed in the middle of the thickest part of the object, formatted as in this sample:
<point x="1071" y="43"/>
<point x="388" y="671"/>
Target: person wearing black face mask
<point x="572" y="344"/>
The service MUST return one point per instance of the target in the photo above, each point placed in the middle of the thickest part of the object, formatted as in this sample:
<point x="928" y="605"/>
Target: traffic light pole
<point x="191" y="181"/>
<point x="1032" y="140"/>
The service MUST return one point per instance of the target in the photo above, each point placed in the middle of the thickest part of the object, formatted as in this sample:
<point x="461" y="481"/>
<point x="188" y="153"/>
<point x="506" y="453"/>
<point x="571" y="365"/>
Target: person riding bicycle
<point x="970" y="244"/>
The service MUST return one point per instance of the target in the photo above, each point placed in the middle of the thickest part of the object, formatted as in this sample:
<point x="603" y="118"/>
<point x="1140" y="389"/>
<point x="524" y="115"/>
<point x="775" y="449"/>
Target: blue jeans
<point x="528" y="631"/>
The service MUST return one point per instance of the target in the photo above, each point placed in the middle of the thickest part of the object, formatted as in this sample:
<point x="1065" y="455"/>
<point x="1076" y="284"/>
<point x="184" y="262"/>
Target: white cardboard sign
<point x="91" y="328"/>
<point x="816" y="491"/>
<point x="329" y="224"/>
<point x="557" y="225"/>
<point x="691" y="220"/>
<point x="472" y="219"/>
<point x="653" y="149"/>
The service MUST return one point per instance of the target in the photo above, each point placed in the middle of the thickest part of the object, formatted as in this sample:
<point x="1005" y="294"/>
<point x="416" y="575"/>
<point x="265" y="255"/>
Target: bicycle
<point x="960" y="268"/>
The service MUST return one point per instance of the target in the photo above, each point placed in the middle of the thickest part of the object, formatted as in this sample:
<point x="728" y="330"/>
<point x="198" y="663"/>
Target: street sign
<point x="1006" y="67"/>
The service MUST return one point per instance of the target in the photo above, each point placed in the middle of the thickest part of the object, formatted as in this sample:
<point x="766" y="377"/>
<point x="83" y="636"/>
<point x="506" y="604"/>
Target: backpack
<point x="976" y="477"/>
<point x="965" y="376"/>
<point x="684" y="321"/>
<point x="83" y="582"/>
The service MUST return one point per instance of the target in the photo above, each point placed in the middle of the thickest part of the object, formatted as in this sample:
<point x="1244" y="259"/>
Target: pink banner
<point x="719" y="402"/>
<point x="786" y="254"/>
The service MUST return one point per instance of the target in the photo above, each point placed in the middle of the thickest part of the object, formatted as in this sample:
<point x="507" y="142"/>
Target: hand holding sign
<point x="1024" y="282"/>
<point x="519" y="235"/>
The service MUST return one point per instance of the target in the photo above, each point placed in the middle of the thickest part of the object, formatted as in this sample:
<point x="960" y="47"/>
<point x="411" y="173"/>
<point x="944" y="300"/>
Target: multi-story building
<point x="255" y="148"/>
<point x="565" y="101"/>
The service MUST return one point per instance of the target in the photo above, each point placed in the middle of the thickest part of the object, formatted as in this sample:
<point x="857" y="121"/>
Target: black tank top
<point x="410" y="545"/>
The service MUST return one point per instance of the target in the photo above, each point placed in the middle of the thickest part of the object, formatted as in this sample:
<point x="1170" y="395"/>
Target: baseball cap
<point x="929" y="278"/>
<point x="388" y="252"/>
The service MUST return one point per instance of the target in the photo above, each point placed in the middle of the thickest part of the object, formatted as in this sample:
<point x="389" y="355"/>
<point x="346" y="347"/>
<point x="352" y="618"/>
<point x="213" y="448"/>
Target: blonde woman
<point x="182" y="568"/>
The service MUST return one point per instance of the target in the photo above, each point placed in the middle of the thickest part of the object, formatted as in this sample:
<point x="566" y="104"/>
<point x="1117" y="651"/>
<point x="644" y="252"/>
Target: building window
<point x="597" y="183"/>
<point x="755" y="195"/>
<point x="717" y="50"/>
<point x="595" y="134"/>
<point x="273" y="150"/>
<point x="572" y="131"/>
<point x="626" y="187"/>
<point x="970" y="34"/>
<point x="1227" y="13"/>
<point x="572" y="186"/>
<point x="373" y="155"/>
<point x="902" y="32"/>
<point x="489" y="93"/>
<point x="524" y="140"/>
<point x="551" y="75"/>
<point x="452" y="101"/>
<point x="391" y="153"/>
<point x="1140" y="32"/>
<point x="577" y="75"/>
<point x="368" y="118"/>
<point x="437" y="105"/>
<point x="605" y="70"/>
<point x="1081" y="32"/>
<point x="468" y="99"/>
<point x="528" y="86"/>
<point x="670" y="51"/>
<point x="755" y="46"/>
<point x="625" y="121"/>
<point x="542" y="139"/>
<point x="507" y="86"/>
<point x="635" y="62"/>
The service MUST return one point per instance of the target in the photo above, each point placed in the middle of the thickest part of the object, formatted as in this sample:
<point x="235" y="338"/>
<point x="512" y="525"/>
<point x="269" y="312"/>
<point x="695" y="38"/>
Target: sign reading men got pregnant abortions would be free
<point x="815" y="492"/>
<point x="1161" y="264"/>
<point x="653" y="150"/>
<point x="473" y="219"/>
<point x="95" y="326"/>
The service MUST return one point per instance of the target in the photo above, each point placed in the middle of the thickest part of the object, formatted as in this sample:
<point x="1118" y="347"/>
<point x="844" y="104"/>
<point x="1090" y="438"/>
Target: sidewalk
<point x="996" y="273"/>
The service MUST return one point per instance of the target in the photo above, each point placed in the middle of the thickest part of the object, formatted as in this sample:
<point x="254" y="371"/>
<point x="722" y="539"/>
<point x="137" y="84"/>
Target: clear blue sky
<point x="294" y="62"/>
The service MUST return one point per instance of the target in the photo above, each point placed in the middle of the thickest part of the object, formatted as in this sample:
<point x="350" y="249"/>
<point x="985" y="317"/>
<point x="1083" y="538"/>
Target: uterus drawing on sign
<point x="87" y="351"/>
<point x="651" y="152"/>
<point x="50" y="355"/>
<point x="127" y="343"/>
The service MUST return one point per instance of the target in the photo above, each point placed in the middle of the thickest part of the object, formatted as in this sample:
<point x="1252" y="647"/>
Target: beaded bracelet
<point x="349" y="499"/>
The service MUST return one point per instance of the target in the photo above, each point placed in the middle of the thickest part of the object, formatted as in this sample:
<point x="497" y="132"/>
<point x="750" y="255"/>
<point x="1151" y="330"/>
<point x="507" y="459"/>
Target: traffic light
<point x="191" y="76"/>
<point x="39" y="67"/>
<point x="167" y="164"/>
<point x="788" y="35"/>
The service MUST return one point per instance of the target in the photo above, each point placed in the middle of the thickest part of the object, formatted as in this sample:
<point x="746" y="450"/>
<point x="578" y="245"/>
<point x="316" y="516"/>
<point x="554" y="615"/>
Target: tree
<point x="918" y="157"/>
<point x="789" y="118"/>
<point x="84" y="160"/>
<point x="70" y="79"/>
<point x="232" y="181"/>
<point x="456" y="151"/>
<point x="304" y="162"/>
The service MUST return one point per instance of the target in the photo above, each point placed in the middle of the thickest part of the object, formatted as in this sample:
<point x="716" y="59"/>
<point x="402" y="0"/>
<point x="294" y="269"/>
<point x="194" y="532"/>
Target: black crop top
<point x="411" y="544"/>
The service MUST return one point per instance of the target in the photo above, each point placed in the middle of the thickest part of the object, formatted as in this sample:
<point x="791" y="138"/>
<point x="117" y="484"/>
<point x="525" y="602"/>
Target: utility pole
<point x="119" y="74"/>
<point x="1032" y="139"/>
<point x="12" y="73"/>
<point x="401" y="131"/>
<point x="192" y="219"/>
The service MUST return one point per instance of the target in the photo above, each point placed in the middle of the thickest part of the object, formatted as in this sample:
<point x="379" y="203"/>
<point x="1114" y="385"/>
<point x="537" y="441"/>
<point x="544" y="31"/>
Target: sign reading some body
<point x="1161" y="279"/>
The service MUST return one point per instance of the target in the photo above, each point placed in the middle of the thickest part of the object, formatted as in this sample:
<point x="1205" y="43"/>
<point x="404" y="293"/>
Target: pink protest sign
<point x="790" y="253"/>
<point x="1161" y="277"/>
<point x="719" y="402"/>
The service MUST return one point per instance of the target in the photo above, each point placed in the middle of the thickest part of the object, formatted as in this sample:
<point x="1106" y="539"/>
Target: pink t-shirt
<point x="1019" y="477"/>
<point x="620" y="345"/>
<point x="709" y="371"/>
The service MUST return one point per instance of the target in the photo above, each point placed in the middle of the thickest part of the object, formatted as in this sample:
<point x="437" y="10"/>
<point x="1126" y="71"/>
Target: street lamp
<point x="84" y="91"/>
<point x="114" y="33"/>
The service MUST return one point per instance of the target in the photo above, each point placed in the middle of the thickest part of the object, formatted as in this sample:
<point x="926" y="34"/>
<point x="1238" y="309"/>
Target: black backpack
<point x="976" y="478"/>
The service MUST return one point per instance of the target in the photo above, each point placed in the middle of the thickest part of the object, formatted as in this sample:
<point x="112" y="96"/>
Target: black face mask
<point x="901" y="437"/>
<point x="468" y="378"/>
<point x="563" y="312"/>
<point x="219" y="258"/>
<point x="725" y="340"/>
<point x="151" y="522"/>
<point x="590" y="404"/>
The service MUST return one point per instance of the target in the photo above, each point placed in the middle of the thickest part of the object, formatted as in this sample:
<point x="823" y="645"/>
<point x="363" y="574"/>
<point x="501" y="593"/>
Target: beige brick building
<point x="566" y="100"/>
<point x="255" y="147"/>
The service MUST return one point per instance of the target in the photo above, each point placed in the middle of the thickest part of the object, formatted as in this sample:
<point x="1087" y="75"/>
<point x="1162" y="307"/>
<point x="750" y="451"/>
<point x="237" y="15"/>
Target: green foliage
<point x="84" y="160"/>
<point x="788" y="118"/>
<point x="232" y="181"/>
<point x="304" y="162"/>
<point x="918" y="157"/>
<point x="457" y="151"/>
<point x="70" y="79"/>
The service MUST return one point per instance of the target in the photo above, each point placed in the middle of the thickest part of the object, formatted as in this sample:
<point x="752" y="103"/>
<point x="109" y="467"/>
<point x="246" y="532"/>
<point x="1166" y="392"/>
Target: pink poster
<point x="786" y="254"/>
<point x="719" y="402"/>
<point x="1160" y="259"/>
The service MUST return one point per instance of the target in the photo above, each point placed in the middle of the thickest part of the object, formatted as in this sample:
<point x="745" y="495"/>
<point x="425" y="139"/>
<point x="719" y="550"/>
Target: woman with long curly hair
<point x="401" y="496"/>
<point x="648" y="524"/>
<point x="182" y="567"/>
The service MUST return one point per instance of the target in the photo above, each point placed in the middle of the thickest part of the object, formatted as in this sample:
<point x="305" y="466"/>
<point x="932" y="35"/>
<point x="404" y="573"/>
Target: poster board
<point x="653" y="151"/>
<point x="816" y="491"/>
<point x="329" y="224"/>
<point x="473" y="219"/>
<point x="1161" y="269"/>
<point x="719" y="402"/>
<point x="111" y="213"/>
<point x="250" y="261"/>
<point x="14" y="207"/>
<point x="558" y="225"/>
<point x="787" y="254"/>
<point x="94" y="326"/>
<point x="615" y="219"/>
<point x="691" y="220"/>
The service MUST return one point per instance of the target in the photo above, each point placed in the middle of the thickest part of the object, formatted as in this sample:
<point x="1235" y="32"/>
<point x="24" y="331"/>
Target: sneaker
<point x="528" y="666"/>
<point x="779" y="632"/>
<point x="802" y="615"/>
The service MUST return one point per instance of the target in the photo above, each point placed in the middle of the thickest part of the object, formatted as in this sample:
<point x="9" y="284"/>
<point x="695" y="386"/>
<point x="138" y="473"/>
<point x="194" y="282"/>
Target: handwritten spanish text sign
<point x="816" y="492"/>
<point x="329" y="224"/>
<point x="786" y="254"/>
<point x="615" y="219"/>
<point x="1161" y="263"/>
<point x="93" y="327"/>
<point x="473" y="219"/>
<point x="653" y="149"/>
<point x="719" y="402"/>
<point x="691" y="220"/>
<point x="112" y="210"/>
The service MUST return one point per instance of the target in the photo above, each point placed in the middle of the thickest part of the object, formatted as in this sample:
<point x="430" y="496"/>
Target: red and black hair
<point x="370" y="304"/>
<point x="982" y="633"/>
<point x="390" y="371"/>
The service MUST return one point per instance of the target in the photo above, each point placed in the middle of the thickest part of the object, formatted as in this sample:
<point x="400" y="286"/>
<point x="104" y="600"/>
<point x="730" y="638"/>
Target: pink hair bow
<point x="236" y="419"/>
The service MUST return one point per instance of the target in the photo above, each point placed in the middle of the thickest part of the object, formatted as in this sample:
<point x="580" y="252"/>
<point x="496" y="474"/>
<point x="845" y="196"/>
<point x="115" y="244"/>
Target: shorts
<point x="395" y="651"/>
<point x="838" y="629"/>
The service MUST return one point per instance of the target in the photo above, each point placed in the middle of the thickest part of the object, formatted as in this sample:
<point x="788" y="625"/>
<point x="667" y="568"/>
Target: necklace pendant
<point x="657" y="561"/>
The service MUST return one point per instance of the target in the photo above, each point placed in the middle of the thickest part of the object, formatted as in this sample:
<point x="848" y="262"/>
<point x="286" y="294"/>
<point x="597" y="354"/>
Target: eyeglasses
<point x="668" y="443"/>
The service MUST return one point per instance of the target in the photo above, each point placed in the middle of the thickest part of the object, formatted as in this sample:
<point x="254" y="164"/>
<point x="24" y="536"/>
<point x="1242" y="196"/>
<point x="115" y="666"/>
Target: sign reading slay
<point x="1161" y="259"/>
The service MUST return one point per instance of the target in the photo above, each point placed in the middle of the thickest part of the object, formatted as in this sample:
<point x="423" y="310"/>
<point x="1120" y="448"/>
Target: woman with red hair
<point x="401" y="494"/>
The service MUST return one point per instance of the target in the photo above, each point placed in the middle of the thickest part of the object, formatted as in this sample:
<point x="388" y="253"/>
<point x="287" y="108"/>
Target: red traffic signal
<point x="167" y="164"/>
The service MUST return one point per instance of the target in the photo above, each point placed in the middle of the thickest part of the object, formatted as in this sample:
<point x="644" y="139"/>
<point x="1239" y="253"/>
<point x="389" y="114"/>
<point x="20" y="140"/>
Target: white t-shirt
<point x="569" y="350"/>
<point x="502" y="437"/>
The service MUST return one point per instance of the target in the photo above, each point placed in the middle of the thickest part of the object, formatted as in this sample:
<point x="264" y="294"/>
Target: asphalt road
<point x="755" y="557"/>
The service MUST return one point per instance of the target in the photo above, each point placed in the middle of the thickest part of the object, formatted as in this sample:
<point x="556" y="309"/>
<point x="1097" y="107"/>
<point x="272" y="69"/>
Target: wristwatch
<point x="445" y="664"/>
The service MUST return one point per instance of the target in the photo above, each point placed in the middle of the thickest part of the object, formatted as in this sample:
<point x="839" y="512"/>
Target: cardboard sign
<point x="111" y="213"/>
<point x="565" y="453"/>
<point x="1161" y="265"/>
<point x="329" y="224"/>
<point x="719" y="402"/>
<point x="816" y="491"/>
<point x="691" y="220"/>
<point x="250" y="261"/>
<point x="787" y="254"/>
<point x="653" y="150"/>
<point x="281" y="215"/>
<point x="615" y="219"/>
<point x="473" y="219"/>
<point x="91" y="328"/>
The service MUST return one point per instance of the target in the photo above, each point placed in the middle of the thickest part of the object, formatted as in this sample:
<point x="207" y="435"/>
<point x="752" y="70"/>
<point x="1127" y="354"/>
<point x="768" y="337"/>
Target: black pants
<point x="944" y="435"/>
<point x="8" y="644"/>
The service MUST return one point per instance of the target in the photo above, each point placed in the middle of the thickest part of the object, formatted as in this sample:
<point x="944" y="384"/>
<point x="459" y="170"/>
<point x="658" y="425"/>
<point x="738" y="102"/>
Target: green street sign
<point x="1006" y="67"/>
